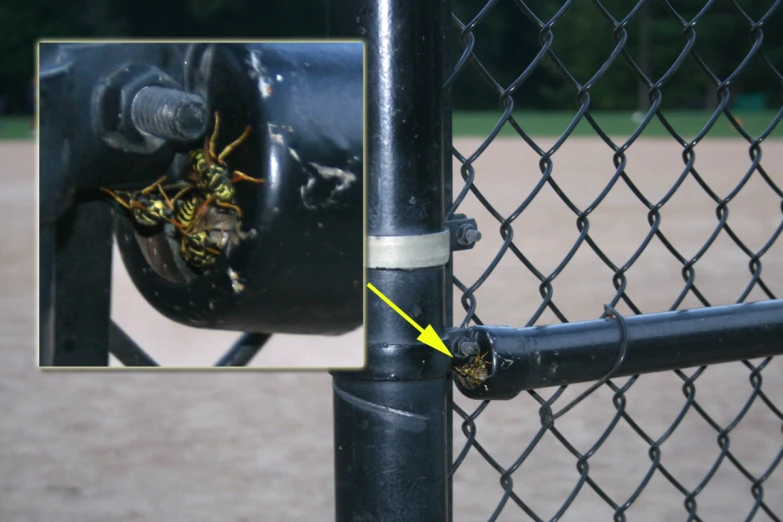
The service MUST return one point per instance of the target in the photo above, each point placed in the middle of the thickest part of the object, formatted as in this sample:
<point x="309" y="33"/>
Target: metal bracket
<point x="463" y="232"/>
<point x="408" y="252"/>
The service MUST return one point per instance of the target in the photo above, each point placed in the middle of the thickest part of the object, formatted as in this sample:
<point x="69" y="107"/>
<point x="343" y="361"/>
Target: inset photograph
<point x="201" y="204"/>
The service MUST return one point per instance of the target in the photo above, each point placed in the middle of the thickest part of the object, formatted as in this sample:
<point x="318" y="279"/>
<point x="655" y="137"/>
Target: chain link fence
<point x="603" y="221"/>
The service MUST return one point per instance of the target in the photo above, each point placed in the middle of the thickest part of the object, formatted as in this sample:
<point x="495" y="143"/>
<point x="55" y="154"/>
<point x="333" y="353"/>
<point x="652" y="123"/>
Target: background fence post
<point x="448" y="196"/>
<point x="390" y="420"/>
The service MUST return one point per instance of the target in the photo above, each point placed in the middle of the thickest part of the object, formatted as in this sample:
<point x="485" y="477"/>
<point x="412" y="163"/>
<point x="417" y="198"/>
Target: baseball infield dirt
<point x="192" y="447"/>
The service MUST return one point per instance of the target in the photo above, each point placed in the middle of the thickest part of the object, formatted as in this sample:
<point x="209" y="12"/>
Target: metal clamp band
<point x="408" y="252"/>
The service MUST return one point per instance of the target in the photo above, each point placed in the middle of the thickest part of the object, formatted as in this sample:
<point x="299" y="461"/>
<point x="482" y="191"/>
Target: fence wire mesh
<point x="657" y="227"/>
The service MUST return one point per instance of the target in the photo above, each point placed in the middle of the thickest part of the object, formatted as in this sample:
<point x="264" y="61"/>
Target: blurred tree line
<point x="506" y="42"/>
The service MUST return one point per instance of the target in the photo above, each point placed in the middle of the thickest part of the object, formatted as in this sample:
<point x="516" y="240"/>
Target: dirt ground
<point x="192" y="447"/>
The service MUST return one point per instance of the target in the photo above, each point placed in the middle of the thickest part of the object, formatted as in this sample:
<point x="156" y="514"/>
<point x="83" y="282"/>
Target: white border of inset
<point x="37" y="205"/>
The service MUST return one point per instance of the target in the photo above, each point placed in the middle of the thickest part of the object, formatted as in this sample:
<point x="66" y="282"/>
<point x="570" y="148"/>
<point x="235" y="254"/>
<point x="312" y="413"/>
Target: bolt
<point x="472" y="235"/>
<point x="466" y="347"/>
<point x="170" y="114"/>
<point x="468" y="234"/>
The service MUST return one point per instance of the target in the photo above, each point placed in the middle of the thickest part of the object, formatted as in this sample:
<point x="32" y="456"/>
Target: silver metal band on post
<point x="408" y="252"/>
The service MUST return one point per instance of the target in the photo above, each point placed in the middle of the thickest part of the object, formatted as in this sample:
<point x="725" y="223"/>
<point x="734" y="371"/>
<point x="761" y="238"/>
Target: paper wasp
<point x="193" y="249"/>
<point x="206" y="233"/>
<point x="193" y="245"/>
<point x="205" y="230"/>
<point x="474" y="373"/>
<point x="149" y="208"/>
<point x="208" y="219"/>
<point x="210" y="172"/>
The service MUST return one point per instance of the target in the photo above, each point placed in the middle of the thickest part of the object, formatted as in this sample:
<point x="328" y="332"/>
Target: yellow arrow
<point x="428" y="335"/>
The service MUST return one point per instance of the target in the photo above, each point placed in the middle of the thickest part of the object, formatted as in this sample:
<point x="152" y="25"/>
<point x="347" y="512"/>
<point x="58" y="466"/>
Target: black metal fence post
<point x="448" y="197"/>
<point x="390" y="419"/>
<point x="56" y="196"/>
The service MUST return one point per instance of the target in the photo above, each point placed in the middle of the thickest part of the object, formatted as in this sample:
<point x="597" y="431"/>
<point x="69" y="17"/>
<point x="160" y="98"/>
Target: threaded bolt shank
<point x="169" y="113"/>
<point x="472" y="235"/>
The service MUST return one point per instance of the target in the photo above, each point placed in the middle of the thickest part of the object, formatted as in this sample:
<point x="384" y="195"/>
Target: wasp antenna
<point x="202" y="209"/>
<point x="240" y="176"/>
<point x="177" y="185"/>
<point x="169" y="202"/>
<point x="136" y="204"/>
<point x="213" y="138"/>
<point x="180" y="226"/>
<point x="155" y="185"/>
<point x="229" y="206"/>
<point x="180" y="194"/>
<point x="230" y="148"/>
<point x="117" y="198"/>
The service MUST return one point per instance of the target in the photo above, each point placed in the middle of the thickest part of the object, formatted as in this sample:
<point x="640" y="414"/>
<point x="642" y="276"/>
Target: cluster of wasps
<point x="209" y="185"/>
<point x="474" y="373"/>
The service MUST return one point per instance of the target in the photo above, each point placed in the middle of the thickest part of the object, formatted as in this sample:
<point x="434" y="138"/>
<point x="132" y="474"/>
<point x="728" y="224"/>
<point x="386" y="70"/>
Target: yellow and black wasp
<point x="474" y="373"/>
<point x="194" y="244"/>
<point x="211" y="175"/>
<point x="203" y="230"/>
<point x="197" y="219"/>
<point x="194" y="248"/>
<point x="150" y="206"/>
<point x="205" y="236"/>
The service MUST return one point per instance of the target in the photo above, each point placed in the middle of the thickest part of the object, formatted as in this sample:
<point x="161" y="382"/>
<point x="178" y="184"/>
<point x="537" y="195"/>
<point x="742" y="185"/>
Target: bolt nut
<point x="468" y="234"/>
<point x="125" y="121"/>
<point x="466" y="347"/>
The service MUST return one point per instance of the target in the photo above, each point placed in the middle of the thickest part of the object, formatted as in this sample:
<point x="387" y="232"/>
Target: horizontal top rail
<point x="542" y="356"/>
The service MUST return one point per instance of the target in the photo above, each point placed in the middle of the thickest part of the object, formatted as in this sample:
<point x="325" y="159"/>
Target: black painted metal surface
<point x="82" y="285"/>
<point x="448" y="197"/>
<point x="126" y="350"/>
<point x="94" y="111"/>
<point x="390" y="419"/>
<point x="243" y="350"/>
<point x="75" y="239"/>
<point x="56" y="182"/>
<point x="539" y="357"/>
<point x="46" y="253"/>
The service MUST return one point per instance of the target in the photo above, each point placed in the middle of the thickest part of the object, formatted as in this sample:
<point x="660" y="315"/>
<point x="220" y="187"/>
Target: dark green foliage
<point x="22" y="23"/>
<point x="584" y="37"/>
<point x="507" y="41"/>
